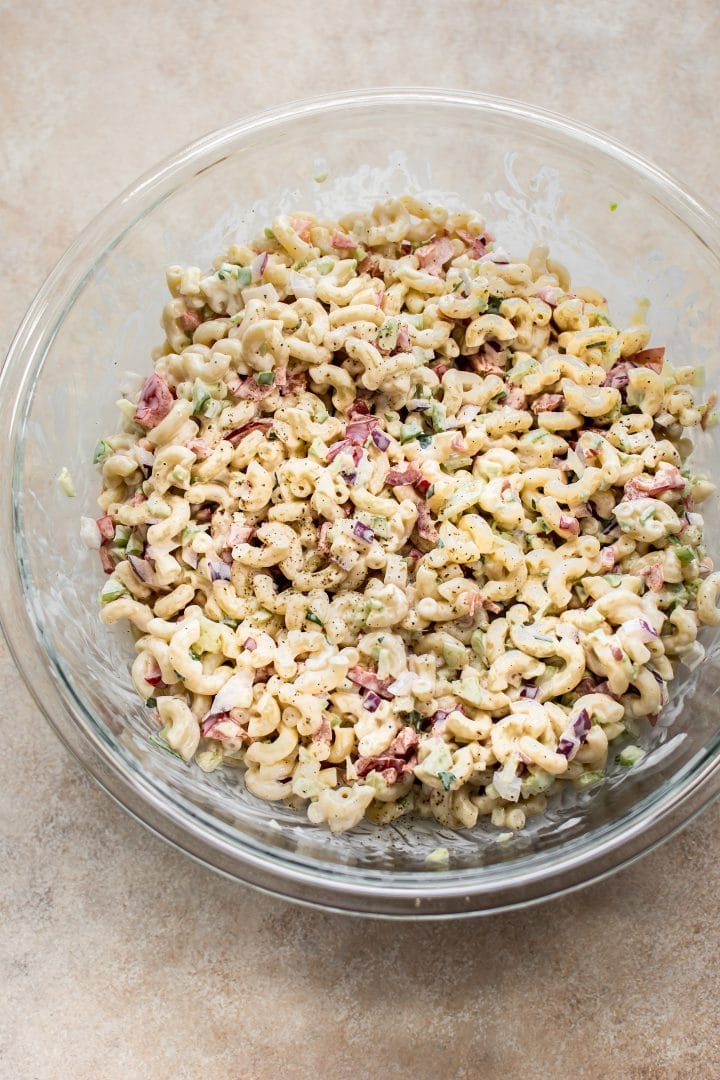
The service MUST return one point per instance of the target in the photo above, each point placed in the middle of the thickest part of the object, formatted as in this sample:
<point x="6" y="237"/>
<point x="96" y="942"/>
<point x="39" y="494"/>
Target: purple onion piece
<point x="440" y="715"/>
<point x="575" y="734"/>
<point x="566" y="747"/>
<point x="658" y="678"/>
<point x="612" y="523"/>
<point x="250" y="644"/>
<point x="372" y="701"/>
<point x="582" y="725"/>
<point x="530" y="692"/>
<point x="142" y="567"/>
<point x="380" y="439"/>
<point x="648" y="628"/>
<point x="363" y="532"/>
<point x="219" y="571"/>
<point x="350" y="477"/>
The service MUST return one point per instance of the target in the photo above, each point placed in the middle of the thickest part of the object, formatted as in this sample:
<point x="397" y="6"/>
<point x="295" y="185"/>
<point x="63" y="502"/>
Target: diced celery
<point x="437" y="416"/>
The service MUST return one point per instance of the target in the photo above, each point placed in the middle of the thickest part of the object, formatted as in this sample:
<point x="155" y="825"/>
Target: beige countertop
<point x="120" y="958"/>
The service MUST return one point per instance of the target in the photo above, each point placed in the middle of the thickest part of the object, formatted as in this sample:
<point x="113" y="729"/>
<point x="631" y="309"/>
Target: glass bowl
<point x="617" y="222"/>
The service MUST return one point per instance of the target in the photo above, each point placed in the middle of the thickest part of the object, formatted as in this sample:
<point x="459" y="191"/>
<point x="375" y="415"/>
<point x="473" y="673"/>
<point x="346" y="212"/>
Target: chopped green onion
<point x="122" y="536"/>
<point x="685" y="554"/>
<point x="201" y="396"/>
<point x="134" y="545"/>
<point x="112" y="590"/>
<point x="162" y="745"/>
<point x="447" y="779"/>
<point x="630" y="755"/>
<point x="103" y="451"/>
<point x="313" y="618"/>
<point x="588" y="779"/>
<point x="324" y="266"/>
<point x="387" y="335"/>
<point x="269" y="234"/>
<point x="613" y="206"/>
<point x="493" y="304"/>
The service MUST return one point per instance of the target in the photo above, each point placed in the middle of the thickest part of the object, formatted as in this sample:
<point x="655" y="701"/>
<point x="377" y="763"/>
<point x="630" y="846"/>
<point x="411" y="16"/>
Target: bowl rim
<point x="207" y="839"/>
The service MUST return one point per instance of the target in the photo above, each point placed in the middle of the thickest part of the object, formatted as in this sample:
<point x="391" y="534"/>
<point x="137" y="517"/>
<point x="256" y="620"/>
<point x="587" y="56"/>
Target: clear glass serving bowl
<point x="537" y="178"/>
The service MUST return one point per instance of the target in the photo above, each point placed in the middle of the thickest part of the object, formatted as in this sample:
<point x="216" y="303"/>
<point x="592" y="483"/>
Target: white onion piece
<point x="640" y="628"/>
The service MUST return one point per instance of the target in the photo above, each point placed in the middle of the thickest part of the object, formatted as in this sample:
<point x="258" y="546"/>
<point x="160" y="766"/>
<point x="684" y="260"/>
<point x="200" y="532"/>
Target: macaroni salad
<point x="402" y="523"/>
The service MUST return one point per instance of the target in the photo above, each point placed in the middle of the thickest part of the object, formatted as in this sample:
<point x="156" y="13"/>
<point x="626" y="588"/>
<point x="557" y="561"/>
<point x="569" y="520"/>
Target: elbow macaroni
<point x="400" y="523"/>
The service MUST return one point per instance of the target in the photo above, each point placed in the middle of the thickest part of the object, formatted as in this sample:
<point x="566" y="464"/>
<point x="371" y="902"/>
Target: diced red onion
<point x="574" y="735"/>
<point x="142" y="568"/>
<point x="498" y="256"/>
<point x="90" y="534"/>
<point x="372" y="701"/>
<point x="363" y="532"/>
<point x="258" y="265"/>
<point x="641" y="627"/>
<point x="380" y="439"/>
<point x="530" y="692"/>
<point x="191" y="557"/>
<point x="238" y="534"/>
<point x="219" y="571"/>
<point x="250" y="644"/>
<point x="350" y="477"/>
<point x="550" y="294"/>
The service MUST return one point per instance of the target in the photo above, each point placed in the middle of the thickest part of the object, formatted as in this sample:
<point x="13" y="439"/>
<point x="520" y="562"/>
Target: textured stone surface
<point x="119" y="958"/>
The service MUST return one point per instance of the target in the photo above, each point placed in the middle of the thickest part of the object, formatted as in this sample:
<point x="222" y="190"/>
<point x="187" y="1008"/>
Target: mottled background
<point x="119" y="958"/>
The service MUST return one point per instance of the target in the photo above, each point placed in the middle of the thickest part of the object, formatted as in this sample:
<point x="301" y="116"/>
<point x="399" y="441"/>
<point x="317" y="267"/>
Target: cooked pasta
<point x="401" y="523"/>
